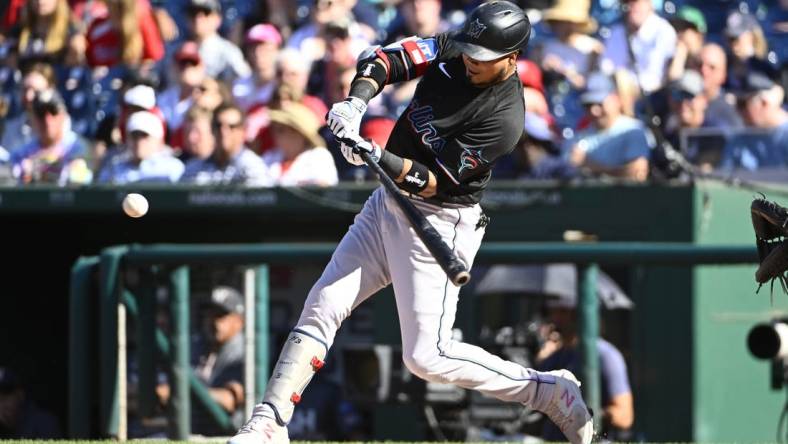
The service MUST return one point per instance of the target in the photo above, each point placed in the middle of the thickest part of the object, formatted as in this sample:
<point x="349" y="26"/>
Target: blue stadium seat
<point x="540" y="33"/>
<point x="75" y="85"/>
<point x="716" y="12"/>
<point x="565" y="106"/>
<point x="606" y="12"/>
<point x="232" y="11"/>
<point x="778" y="42"/>
<point x="106" y="89"/>
<point x="10" y="81"/>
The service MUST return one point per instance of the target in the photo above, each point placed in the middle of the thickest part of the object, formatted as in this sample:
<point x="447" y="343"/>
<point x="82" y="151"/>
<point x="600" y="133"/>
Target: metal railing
<point x="177" y="258"/>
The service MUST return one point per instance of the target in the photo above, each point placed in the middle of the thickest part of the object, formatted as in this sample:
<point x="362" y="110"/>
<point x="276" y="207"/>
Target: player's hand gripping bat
<point x="450" y="263"/>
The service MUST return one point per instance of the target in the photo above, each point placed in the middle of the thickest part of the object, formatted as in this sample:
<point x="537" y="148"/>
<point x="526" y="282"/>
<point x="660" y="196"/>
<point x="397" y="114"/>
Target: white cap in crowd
<point x="147" y="123"/>
<point x="141" y="95"/>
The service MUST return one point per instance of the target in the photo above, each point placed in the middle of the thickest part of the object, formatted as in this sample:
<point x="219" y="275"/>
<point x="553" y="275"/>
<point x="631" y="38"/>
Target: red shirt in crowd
<point x="104" y="40"/>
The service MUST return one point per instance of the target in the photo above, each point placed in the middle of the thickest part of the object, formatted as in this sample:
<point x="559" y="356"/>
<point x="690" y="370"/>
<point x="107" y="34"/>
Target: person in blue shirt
<point x="560" y="351"/>
<point x="56" y="154"/>
<point x="538" y="156"/>
<point x="714" y="69"/>
<point x="231" y="161"/>
<point x="146" y="158"/>
<point x="614" y="144"/>
<point x="16" y="129"/>
<point x="765" y="144"/>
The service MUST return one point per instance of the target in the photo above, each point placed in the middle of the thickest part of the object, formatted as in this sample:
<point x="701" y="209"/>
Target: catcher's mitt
<point x="770" y="222"/>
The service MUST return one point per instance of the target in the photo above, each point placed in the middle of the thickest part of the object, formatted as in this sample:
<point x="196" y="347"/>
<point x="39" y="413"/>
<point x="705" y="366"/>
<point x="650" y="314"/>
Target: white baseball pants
<point x="381" y="248"/>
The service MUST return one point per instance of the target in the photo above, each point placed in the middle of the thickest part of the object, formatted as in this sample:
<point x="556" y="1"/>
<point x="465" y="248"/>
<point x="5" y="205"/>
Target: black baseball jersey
<point x="454" y="128"/>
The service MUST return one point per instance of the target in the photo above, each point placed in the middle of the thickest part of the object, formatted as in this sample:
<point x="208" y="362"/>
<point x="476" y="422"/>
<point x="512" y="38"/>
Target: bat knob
<point x="461" y="278"/>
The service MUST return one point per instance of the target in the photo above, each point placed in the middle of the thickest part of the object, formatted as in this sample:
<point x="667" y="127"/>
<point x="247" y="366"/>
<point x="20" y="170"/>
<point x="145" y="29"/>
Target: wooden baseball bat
<point x="452" y="265"/>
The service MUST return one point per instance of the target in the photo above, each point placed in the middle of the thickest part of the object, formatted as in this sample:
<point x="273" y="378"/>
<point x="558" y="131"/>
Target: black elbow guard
<point x="367" y="55"/>
<point x="373" y="64"/>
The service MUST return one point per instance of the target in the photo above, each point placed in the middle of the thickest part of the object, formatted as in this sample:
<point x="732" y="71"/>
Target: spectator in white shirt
<point x="653" y="42"/>
<point x="299" y="156"/>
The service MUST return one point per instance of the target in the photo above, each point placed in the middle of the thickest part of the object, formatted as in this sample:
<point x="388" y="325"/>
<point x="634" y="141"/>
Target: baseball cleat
<point x="567" y="409"/>
<point x="261" y="430"/>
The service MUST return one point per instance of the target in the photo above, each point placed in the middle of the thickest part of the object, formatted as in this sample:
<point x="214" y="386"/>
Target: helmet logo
<point x="475" y="29"/>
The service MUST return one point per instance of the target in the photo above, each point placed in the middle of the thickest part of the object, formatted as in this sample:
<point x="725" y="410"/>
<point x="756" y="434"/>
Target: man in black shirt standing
<point x="467" y="112"/>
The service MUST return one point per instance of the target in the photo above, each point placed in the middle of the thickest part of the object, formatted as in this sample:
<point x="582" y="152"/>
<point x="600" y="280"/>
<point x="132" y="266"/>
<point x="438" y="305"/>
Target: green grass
<point x="211" y="441"/>
<point x="208" y="441"/>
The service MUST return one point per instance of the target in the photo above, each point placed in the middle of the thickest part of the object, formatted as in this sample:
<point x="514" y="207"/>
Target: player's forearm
<point x="620" y="413"/>
<point x="372" y="75"/>
<point x="432" y="181"/>
<point x="635" y="170"/>
<point x="412" y="176"/>
<point x="364" y="88"/>
<point x="228" y="397"/>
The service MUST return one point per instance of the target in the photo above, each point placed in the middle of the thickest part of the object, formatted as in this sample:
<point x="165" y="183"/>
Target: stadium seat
<point x="76" y="86"/>
<point x="106" y="87"/>
<point x="9" y="89"/>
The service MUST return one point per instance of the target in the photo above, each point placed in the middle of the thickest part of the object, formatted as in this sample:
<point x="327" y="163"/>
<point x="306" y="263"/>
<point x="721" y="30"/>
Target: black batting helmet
<point x="493" y="30"/>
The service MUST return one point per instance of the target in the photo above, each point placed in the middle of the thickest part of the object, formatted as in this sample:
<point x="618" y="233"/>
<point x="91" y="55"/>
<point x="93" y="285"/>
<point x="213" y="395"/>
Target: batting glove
<point x="352" y="148"/>
<point x="344" y="118"/>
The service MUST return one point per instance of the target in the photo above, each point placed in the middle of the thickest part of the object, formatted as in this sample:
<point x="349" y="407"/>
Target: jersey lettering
<point x="420" y="119"/>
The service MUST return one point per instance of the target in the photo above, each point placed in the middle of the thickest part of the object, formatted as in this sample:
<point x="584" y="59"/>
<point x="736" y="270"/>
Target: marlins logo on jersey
<point x="469" y="160"/>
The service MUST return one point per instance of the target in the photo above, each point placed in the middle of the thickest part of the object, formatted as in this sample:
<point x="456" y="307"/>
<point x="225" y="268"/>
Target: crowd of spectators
<point x="236" y="91"/>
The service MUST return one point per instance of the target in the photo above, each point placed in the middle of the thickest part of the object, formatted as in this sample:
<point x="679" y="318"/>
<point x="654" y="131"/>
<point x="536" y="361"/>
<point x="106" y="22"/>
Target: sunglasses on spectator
<point x="43" y="110"/>
<point x="741" y="102"/>
<point x="204" y="88"/>
<point x="199" y="11"/>
<point x="187" y="63"/>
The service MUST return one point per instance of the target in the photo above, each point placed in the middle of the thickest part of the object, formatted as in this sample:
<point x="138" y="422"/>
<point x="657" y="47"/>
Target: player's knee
<point x="325" y="303"/>
<point x="425" y="365"/>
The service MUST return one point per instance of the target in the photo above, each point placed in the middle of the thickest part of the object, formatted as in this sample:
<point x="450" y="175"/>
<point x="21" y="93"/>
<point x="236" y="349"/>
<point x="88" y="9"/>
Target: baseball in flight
<point x="135" y="205"/>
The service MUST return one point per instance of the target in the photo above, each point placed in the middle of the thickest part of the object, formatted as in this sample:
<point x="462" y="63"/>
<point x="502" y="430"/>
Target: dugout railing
<point x="116" y="302"/>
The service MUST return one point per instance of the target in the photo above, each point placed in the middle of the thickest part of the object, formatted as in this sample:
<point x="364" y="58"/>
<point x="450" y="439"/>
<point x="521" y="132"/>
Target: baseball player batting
<point x="466" y="113"/>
